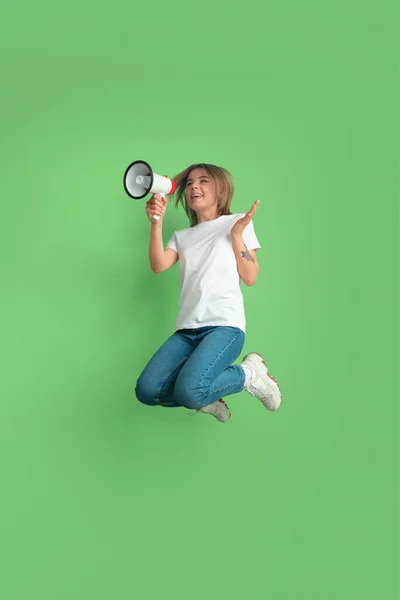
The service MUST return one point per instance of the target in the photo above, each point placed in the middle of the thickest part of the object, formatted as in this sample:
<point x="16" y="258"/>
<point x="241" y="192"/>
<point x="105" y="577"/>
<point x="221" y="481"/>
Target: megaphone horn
<point x="140" y="180"/>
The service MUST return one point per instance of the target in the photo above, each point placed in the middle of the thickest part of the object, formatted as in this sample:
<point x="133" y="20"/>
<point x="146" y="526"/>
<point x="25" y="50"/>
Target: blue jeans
<point x="193" y="368"/>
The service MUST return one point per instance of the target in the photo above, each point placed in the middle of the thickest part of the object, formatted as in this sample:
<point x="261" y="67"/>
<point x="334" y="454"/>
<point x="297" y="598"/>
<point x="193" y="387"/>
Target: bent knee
<point x="190" y="397"/>
<point x="145" y="394"/>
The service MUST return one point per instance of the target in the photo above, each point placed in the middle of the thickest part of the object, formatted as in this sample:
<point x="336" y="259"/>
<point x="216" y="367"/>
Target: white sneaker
<point x="261" y="385"/>
<point x="218" y="409"/>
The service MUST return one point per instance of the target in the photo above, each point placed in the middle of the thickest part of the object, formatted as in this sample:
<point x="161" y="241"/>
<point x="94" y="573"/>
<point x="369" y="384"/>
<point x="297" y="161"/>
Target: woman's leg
<point x="208" y="374"/>
<point x="156" y="383"/>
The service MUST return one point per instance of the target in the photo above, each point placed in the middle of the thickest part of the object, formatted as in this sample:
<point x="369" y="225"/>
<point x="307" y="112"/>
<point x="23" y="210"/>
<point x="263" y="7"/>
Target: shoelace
<point x="262" y="394"/>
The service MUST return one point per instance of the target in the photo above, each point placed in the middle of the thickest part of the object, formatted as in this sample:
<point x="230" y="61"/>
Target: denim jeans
<point x="193" y="368"/>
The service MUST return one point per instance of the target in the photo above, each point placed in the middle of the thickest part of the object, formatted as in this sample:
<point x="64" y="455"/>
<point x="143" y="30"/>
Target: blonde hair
<point x="224" y="186"/>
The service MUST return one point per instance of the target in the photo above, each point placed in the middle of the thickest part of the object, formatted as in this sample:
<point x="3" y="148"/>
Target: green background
<point x="102" y="497"/>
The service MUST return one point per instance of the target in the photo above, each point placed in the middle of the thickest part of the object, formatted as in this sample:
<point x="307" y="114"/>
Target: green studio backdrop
<point x="102" y="497"/>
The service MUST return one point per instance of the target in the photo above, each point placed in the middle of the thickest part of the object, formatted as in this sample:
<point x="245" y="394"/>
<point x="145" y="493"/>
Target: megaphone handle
<point x="156" y="217"/>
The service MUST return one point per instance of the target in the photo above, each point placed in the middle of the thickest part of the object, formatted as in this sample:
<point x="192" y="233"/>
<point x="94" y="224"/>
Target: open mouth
<point x="197" y="197"/>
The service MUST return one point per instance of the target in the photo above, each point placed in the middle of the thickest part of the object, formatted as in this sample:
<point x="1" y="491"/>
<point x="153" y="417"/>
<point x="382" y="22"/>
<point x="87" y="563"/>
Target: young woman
<point x="193" y="368"/>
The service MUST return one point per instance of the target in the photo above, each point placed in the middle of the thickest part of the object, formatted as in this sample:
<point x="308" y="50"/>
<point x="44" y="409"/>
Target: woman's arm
<point x="156" y="247"/>
<point x="246" y="260"/>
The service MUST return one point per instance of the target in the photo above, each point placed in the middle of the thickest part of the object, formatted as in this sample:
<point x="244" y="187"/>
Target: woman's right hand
<point x="157" y="205"/>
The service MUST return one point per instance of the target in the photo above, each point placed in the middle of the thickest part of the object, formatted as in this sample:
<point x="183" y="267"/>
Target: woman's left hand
<point x="242" y="223"/>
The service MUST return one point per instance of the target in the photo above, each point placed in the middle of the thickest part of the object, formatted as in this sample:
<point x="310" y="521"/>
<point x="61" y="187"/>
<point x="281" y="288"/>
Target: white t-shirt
<point x="209" y="278"/>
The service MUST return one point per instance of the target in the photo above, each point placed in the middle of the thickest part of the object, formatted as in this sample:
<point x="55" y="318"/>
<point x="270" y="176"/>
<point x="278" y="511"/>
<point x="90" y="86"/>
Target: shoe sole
<point x="268" y="375"/>
<point x="220" y="420"/>
<point x="225" y="404"/>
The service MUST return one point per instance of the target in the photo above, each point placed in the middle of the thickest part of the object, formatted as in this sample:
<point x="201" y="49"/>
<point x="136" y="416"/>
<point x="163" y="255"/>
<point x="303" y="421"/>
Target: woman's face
<point x="201" y="192"/>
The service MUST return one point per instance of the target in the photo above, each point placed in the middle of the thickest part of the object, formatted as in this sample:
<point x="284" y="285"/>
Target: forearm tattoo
<point x="246" y="254"/>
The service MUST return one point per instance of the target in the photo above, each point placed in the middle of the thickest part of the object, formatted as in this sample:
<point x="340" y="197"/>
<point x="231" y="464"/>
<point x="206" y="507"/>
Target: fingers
<point x="157" y="210"/>
<point x="156" y="201"/>
<point x="251" y="212"/>
<point x="156" y="206"/>
<point x="253" y="208"/>
<point x="157" y="197"/>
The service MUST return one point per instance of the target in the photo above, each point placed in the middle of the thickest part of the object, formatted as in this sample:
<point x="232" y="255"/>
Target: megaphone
<point x="140" y="180"/>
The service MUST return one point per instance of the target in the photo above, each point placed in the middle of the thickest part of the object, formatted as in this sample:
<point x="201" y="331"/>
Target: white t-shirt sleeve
<point x="172" y="243"/>
<point x="250" y="238"/>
